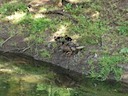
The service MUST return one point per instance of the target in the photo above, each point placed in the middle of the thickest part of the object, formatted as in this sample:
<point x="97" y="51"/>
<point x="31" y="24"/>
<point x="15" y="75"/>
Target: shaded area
<point x="20" y="76"/>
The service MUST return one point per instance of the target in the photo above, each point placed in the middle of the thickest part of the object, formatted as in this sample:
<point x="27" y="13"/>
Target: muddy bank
<point x="21" y="75"/>
<point x="22" y="58"/>
<point x="75" y="74"/>
<point x="76" y="63"/>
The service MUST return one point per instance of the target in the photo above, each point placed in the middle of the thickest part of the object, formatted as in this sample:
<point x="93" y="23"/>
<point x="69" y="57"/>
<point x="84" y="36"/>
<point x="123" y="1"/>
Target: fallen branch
<point x="8" y="39"/>
<point x="25" y="49"/>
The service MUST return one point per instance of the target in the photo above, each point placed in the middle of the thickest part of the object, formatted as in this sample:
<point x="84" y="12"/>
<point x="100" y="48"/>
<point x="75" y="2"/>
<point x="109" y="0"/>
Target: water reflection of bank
<point x="26" y="77"/>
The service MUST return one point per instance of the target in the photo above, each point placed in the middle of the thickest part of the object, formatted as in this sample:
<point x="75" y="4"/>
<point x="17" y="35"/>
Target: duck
<point x="66" y="45"/>
<point x="67" y="38"/>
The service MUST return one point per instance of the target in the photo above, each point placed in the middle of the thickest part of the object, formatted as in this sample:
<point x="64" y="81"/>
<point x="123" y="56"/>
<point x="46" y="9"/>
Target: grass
<point x="85" y="28"/>
<point x="95" y="19"/>
<point x="90" y="32"/>
<point x="10" y="8"/>
<point x="108" y="65"/>
<point x="45" y="54"/>
<point x="123" y="29"/>
<point x="35" y="25"/>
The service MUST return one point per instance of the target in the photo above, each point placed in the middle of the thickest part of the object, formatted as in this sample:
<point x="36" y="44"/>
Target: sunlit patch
<point x="43" y="9"/>
<point x="16" y="17"/>
<point x="95" y="15"/>
<point x="13" y="1"/>
<point x="3" y="65"/>
<point x="78" y="1"/>
<point x="61" y="31"/>
<point x="39" y="16"/>
<point x="125" y="76"/>
<point x="9" y="71"/>
<point x="26" y="39"/>
<point x="32" y="78"/>
<point x="75" y="37"/>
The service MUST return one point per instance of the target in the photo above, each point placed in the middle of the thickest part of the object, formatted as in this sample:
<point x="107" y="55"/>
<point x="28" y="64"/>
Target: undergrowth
<point x="123" y="29"/>
<point x="10" y="8"/>
<point x="107" y="66"/>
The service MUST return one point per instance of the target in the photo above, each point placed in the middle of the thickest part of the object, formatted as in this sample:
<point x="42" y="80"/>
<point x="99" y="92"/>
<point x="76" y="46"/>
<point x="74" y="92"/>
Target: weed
<point x="107" y="65"/>
<point x="124" y="50"/>
<point x="89" y="31"/>
<point x="36" y="25"/>
<point x="54" y="90"/>
<point x="123" y="30"/>
<point x="68" y="7"/>
<point x="45" y="54"/>
<point x="9" y="8"/>
<point x="73" y="9"/>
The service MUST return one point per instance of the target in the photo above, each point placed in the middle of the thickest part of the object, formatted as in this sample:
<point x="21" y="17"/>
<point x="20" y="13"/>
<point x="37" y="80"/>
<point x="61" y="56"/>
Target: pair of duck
<point x="66" y="45"/>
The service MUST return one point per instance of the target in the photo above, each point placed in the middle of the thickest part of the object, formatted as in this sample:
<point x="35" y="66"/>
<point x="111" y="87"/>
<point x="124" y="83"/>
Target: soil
<point x="15" y="43"/>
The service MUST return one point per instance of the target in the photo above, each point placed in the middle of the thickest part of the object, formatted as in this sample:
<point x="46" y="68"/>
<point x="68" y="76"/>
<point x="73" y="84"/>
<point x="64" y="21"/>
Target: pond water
<point x="18" y="77"/>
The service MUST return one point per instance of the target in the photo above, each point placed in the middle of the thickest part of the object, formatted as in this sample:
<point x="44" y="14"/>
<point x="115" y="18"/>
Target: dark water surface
<point x="18" y="77"/>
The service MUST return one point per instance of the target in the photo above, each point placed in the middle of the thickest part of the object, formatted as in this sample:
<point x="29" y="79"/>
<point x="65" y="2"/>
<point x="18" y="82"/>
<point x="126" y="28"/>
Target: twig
<point x="8" y="39"/>
<point x="25" y="49"/>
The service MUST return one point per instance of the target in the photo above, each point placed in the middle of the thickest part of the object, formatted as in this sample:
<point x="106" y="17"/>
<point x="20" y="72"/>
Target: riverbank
<point x="100" y="26"/>
<point x="20" y="76"/>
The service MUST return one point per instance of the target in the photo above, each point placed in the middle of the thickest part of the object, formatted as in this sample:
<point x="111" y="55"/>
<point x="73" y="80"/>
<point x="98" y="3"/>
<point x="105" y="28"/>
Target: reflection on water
<point x="18" y="77"/>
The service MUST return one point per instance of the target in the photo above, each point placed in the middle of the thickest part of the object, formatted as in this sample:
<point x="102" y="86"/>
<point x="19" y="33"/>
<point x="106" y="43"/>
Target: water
<point x="19" y="77"/>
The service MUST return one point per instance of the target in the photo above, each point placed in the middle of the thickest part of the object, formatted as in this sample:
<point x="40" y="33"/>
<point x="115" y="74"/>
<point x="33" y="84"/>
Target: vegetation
<point x="107" y="65"/>
<point x="95" y="19"/>
<point x="20" y="77"/>
<point x="123" y="30"/>
<point x="9" y="8"/>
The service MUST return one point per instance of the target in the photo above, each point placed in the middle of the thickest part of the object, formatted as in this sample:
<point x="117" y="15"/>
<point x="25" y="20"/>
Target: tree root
<point x="61" y="12"/>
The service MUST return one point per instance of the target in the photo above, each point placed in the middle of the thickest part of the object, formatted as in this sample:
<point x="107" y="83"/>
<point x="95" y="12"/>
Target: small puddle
<point x="19" y="77"/>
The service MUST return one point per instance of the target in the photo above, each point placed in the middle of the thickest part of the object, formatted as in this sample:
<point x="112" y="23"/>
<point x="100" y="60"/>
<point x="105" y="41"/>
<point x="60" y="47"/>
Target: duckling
<point x="67" y="38"/>
<point x="66" y="49"/>
<point x="66" y="45"/>
<point x="59" y="39"/>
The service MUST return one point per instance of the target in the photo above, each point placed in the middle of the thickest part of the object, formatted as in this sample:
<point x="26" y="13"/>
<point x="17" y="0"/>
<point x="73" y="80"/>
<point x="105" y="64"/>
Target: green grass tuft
<point x="10" y="8"/>
<point x="107" y="65"/>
